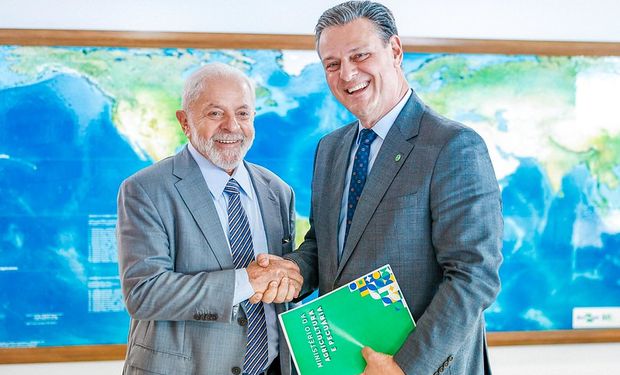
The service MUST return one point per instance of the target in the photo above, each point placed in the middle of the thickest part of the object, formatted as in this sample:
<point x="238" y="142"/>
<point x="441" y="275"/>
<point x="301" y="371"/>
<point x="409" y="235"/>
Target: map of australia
<point x="74" y="122"/>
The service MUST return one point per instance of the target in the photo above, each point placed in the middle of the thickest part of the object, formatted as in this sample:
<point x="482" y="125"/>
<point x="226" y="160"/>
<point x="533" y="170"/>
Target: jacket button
<point x="236" y="370"/>
<point x="450" y="358"/>
<point x="242" y="321"/>
<point x="196" y="316"/>
<point x="211" y="316"/>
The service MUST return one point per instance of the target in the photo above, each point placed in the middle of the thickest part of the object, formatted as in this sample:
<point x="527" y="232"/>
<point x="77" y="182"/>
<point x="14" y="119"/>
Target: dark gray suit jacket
<point x="177" y="272"/>
<point x="431" y="208"/>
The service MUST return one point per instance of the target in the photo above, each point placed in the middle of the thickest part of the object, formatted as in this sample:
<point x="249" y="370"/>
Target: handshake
<point x="274" y="279"/>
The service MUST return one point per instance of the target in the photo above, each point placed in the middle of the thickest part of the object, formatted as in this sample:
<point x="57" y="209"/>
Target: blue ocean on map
<point x="64" y="165"/>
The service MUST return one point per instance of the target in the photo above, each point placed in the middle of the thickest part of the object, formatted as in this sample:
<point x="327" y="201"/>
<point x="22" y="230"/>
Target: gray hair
<point x="196" y="82"/>
<point x="349" y="11"/>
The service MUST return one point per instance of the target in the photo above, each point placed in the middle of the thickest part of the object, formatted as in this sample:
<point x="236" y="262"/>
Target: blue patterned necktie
<point x="358" y="175"/>
<point x="240" y="238"/>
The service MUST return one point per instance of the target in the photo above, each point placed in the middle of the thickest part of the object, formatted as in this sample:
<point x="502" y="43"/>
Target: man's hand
<point x="379" y="363"/>
<point x="274" y="279"/>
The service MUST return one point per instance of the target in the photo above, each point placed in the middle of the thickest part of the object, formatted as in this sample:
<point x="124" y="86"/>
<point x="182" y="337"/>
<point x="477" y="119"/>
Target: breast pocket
<point x="398" y="202"/>
<point x="400" y="228"/>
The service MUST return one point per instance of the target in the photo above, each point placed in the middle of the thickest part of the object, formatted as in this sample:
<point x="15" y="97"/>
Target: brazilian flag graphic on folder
<point x="326" y="335"/>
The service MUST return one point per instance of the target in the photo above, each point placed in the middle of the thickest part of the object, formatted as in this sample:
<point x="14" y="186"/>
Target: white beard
<point x="227" y="159"/>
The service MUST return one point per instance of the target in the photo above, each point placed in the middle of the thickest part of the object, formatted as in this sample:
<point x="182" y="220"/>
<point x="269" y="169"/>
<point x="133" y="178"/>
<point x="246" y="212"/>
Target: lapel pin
<point x="397" y="157"/>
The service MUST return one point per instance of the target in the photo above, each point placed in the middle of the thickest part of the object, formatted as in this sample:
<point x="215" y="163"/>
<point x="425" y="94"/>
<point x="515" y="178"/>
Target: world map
<point x="75" y="122"/>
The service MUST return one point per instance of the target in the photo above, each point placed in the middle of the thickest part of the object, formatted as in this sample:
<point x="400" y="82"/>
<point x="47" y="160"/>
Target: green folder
<point x="326" y="335"/>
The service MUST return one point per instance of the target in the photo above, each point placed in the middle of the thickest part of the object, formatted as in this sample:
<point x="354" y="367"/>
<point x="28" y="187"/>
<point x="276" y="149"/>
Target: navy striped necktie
<point x="358" y="175"/>
<point x="240" y="238"/>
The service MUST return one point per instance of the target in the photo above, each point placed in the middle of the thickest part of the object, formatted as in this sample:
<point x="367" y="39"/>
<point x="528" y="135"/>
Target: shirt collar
<point x="382" y="127"/>
<point x="217" y="178"/>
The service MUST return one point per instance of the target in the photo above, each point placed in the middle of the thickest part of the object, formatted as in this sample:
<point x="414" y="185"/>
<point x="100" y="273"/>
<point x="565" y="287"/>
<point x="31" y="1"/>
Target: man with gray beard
<point x="189" y="228"/>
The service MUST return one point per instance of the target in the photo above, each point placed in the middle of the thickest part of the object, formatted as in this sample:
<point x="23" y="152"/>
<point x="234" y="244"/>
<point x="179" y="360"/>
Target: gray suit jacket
<point x="177" y="272"/>
<point x="431" y="208"/>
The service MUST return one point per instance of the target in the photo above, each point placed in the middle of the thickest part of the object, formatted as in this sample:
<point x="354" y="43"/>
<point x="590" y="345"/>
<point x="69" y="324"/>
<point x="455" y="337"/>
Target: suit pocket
<point x="399" y="228"/>
<point x="156" y="362"/>
<point x="162" y="336"/>
<point x="389" y="203"/>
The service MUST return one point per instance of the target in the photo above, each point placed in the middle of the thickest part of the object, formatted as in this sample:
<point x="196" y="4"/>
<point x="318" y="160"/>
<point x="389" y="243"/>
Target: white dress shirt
<point x="216" y="179"/>
<point x="382" y="127"/>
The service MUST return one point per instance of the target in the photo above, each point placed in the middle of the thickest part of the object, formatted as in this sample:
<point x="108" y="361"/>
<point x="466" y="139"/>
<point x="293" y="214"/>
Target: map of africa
<point x="74" y="122"/>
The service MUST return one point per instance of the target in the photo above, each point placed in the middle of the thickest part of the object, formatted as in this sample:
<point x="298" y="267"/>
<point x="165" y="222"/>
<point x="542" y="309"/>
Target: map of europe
<point x="75" y="122"/>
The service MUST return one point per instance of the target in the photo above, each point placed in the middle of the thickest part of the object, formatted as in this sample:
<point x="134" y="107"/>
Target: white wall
<point x="576" y="20"/>
<point x="583" y="20"/>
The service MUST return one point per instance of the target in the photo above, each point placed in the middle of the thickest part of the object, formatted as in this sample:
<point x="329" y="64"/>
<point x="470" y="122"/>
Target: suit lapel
<point x="195" y="193"/>
<point x="334" y="198"/>
<point x="270" y="210"/>
<point x="391" y="157"/>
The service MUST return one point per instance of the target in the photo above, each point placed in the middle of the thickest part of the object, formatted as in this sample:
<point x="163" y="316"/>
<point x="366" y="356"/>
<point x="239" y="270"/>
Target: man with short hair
<point x="414" y="190"/>
<point x="188" y="230"/>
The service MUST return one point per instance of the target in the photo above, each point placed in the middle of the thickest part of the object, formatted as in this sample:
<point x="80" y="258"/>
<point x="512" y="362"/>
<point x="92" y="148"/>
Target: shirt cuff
<point x="243" y="288"/>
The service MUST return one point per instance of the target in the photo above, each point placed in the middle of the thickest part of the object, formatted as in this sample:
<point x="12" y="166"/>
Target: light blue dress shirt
<point x="382" y="127"/>
<point x="216" y="179"/>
